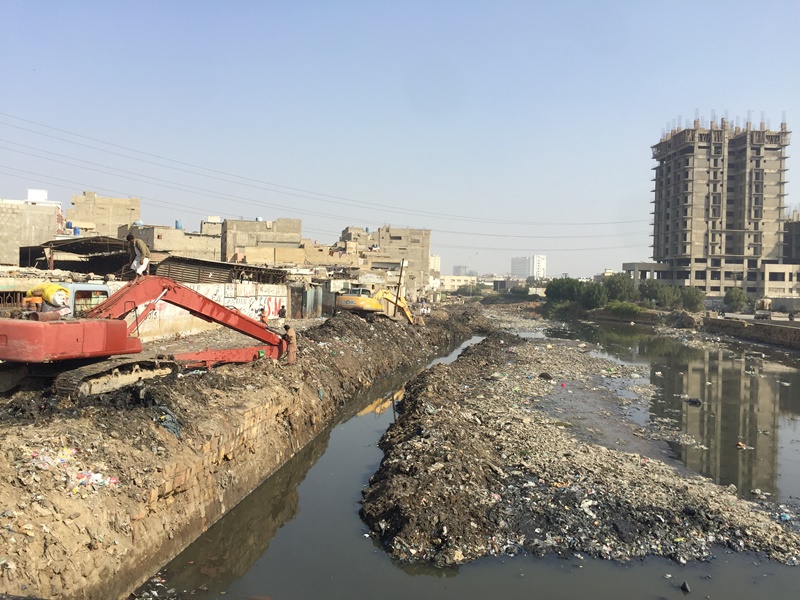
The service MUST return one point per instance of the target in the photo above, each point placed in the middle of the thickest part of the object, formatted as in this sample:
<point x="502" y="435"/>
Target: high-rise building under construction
<point x="719" y="209"/>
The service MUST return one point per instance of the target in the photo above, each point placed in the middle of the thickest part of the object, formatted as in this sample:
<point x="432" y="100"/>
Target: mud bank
<point x="97" y="496"/>
<point x="474" y="466"/>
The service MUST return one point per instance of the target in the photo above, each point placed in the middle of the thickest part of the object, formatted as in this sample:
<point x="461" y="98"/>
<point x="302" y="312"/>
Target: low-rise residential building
<point x="28" y="222"/>
<point x="103" y="215"/>
<point x="450" y="283"/>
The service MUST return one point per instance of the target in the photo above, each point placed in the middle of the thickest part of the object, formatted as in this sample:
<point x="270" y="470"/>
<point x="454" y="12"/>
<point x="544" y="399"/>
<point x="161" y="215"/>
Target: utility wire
<point x="340" y="200"/>
<point x="261" y="204"/>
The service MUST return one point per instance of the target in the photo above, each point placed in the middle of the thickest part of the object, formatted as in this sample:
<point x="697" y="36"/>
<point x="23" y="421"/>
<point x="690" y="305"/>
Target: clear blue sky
<point x="527" y="122"/>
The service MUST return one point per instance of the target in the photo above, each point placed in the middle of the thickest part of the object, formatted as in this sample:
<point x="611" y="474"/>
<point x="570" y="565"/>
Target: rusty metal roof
<point x="93" y="245"/>
<point x="197" y="270"/>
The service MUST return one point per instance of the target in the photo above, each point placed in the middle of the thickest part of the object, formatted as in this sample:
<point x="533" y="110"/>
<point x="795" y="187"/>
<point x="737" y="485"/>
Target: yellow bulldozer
<point x="364" y="302"/>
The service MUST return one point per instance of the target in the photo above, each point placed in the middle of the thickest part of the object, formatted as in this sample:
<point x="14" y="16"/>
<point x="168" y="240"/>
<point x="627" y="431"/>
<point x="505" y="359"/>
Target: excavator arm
<point x="394" y="303"/>
<point x="148" y="291"/>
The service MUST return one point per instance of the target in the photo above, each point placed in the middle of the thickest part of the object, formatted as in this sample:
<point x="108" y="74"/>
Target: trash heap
<point x="474" y="468"/>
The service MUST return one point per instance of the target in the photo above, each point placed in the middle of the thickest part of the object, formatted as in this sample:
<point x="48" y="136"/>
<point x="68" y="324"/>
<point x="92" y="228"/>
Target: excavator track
<point x="110" y="375"/>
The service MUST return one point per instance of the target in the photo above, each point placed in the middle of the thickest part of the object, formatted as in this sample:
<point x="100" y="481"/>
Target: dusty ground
<point x="484" y="462"/>
<point x="74" y="473"/>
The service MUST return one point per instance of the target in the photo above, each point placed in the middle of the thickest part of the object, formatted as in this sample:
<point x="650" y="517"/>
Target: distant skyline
<point x="511" y="128"/>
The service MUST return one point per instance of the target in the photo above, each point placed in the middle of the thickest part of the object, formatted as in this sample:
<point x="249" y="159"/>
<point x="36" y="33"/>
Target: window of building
<point x="752" y="290"/>
<point x="714" y="288"/>
<point x="701" y="275"/>
<point x="777" y="276"/>
<point x="716" y="262"/>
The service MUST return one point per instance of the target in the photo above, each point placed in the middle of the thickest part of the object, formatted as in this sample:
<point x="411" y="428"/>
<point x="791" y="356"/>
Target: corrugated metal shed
<point x="196" y="270"/>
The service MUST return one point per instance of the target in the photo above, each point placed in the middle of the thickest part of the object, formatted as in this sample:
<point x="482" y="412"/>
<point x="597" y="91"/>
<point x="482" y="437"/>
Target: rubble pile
<point x="474" y="467"/>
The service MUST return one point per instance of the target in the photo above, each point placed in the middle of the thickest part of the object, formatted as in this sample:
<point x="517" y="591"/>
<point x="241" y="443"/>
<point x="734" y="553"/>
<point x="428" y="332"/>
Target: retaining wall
<point x="768" y="333"/>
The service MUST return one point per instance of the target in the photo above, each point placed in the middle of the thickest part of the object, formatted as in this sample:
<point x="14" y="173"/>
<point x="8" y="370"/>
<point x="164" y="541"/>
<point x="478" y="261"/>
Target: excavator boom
<point x="151" y="290"/>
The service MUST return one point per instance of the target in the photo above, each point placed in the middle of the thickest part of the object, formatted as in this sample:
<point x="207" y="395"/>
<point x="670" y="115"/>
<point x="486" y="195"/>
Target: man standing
<point x="291" y="350"/>
<point x="139" y="255"/>
<point x="282" y="313"/>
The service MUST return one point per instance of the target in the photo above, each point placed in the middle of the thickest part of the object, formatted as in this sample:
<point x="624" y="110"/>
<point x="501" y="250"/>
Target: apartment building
<point x="523" y="267"/>
<point x="719" y="211"/>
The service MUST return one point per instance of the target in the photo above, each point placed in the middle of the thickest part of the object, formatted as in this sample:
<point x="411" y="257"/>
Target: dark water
<point x="299" y="534"/>
<point x="743" y="394"/>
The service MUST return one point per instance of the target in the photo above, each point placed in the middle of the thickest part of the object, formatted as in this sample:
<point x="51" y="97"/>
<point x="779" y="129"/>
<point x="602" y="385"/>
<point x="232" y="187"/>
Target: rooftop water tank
<point x="138" y="223"/>
<point x="178" y="224"/>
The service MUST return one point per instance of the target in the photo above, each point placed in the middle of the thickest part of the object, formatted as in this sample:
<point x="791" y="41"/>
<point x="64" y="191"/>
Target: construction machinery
<point x="364" y="302"/>
<point x="762" y="309"/>
<point x="77" y="352"/>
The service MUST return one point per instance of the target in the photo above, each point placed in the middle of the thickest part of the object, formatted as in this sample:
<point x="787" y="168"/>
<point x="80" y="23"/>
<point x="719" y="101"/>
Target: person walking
<point x="139" y="255"/>
<point x="291" y="349"/>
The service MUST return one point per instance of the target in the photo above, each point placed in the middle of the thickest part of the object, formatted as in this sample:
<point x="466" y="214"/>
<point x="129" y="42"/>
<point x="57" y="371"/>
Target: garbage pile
<point x="474" y="468"/>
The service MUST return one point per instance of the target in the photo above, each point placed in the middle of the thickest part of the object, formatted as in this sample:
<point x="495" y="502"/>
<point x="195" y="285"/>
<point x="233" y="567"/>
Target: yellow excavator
<point x="383" y="302"/>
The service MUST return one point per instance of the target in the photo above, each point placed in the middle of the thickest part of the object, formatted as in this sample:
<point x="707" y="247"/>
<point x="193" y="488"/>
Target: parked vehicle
<point x="763" y="309"/>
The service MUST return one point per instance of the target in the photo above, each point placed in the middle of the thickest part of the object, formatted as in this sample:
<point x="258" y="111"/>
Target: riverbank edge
<point x="207" y="475"/>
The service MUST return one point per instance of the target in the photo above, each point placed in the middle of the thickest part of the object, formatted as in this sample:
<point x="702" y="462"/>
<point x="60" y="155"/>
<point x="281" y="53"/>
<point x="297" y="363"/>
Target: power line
<point x="534" y="249"/>
<point x="260" y="204"/>
<point x="321" y="197"/>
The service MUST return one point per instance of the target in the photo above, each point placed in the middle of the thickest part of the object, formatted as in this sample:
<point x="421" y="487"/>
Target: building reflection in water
<point x="731" y="404"/>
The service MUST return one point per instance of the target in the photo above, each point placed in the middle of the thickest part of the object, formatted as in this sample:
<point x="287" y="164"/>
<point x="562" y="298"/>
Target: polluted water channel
<point x="299" y="534"/>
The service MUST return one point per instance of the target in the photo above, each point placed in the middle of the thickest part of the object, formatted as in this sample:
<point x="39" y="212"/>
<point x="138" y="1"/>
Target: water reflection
<point x="230" y="548"/>
<point x="740" y="406"/>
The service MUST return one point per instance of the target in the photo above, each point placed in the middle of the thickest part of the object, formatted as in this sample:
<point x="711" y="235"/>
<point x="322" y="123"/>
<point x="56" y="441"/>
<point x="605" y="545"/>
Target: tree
<point x="649" y="289"/>
<point x="563" y="288"/>
<point x="519" y="290"/>
<point x="593" y="295"/>
<point x="668" y="297"/>
<point x="692" y="299"/>
<point x="620" y="286"/>
<point x="735" y="299"/>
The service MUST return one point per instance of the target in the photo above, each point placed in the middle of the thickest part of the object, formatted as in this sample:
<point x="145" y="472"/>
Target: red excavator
<point x="76" y="352"/>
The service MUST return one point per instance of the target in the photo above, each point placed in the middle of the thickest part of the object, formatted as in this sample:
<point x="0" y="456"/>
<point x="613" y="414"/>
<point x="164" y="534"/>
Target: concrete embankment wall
<point x="767" y="333"/>
<point x="225" y="455"/>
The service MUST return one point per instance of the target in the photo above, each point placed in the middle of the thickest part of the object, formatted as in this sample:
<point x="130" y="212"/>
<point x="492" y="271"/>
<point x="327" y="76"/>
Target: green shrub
<point x="623" y="309"/>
